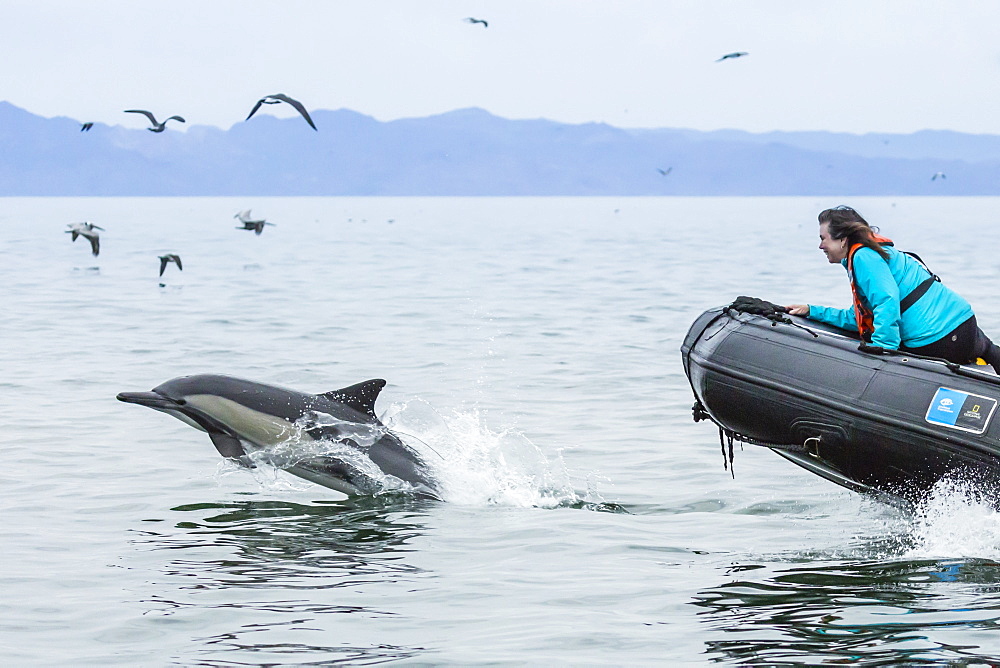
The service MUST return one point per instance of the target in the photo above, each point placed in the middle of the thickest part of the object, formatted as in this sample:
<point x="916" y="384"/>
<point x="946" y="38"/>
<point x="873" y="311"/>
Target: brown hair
<point x="843" y="222"/>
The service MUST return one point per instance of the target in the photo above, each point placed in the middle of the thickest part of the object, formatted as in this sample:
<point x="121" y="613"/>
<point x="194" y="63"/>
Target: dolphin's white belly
<point x="261" y="429"/>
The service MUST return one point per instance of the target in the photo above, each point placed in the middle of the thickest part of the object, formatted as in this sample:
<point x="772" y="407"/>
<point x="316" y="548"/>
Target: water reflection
<point x="907" y="612"/>
<point x="276" y="582"/>
<point x="273" y="541"/>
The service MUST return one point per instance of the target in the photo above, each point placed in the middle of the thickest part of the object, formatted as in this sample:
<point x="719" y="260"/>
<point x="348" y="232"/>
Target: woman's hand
<point x="798" y="309"/>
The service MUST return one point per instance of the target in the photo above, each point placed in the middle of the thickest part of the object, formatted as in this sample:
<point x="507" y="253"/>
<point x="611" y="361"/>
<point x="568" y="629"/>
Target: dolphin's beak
<point x="226" y="442"/>
<point x="151" y="399"/>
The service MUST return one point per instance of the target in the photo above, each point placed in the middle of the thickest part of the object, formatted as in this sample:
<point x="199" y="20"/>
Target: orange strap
<point x="862" y="314"/>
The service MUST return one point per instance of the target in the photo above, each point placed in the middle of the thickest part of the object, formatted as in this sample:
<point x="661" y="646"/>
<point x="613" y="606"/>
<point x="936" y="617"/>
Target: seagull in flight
<point x="86" y="230"/>
<point x="157" y="126"/>
<point x="85" y="127"/>
<point x="167" y="259"/>
<point x="281" y="97"/>
<point x="664" y="172"/>
<point x="472" y="20"/>
<point x="734" y="54"/>
<point x="937" y="174"/>
<point x="249" y="223"/>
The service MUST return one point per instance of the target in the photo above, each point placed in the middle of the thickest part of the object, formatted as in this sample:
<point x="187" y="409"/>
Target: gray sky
<point x="854" y="65"/>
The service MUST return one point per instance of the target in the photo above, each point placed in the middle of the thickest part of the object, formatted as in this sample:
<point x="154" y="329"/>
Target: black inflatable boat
<point x="891" y="425"/>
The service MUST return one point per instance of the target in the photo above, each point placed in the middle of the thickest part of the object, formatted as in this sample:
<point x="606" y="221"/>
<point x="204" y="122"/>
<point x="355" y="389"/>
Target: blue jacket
<point x="881" y="285"/>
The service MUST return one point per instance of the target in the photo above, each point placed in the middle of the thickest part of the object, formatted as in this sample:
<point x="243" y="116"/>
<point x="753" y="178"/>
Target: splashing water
<point x="476" y="465"/>
<point x="956" y="521"/>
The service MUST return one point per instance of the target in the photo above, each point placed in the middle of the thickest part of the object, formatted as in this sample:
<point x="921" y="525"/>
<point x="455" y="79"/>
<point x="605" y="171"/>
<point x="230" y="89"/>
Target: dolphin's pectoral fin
<point x="230" y="448"/>
<point x="360" y="397"/>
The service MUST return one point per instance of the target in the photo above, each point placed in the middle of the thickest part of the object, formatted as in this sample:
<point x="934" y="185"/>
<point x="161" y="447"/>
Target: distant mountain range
<point x="471" y="152"/>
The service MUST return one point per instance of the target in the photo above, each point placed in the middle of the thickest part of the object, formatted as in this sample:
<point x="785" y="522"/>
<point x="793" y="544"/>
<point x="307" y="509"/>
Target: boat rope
<point x="727" y="437"/>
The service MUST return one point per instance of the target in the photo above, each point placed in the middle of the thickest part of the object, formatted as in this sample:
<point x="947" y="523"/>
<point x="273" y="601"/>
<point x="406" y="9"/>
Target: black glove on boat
<point x="871" y="350"/>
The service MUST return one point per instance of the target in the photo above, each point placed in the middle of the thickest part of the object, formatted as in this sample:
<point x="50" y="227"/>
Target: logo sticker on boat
<point x="961" y="410"/>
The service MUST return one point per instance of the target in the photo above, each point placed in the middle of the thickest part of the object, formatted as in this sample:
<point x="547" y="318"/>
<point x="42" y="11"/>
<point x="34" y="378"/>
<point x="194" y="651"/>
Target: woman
<point x="898" y="303"/>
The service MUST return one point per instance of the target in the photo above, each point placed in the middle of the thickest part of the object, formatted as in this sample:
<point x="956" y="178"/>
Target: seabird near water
<point x="472" y="20"/>
<point x="167" y="259"/>
<point x="938" y="174"/>
<point x="85" y="127"/>
<point x="86" y="230"/>
<point x="664" y="172"/>
<point x="249" y="223"/>
<point x="277" y="98"/>
<point x="734" y="54"/>
<point x="157" y="126"/>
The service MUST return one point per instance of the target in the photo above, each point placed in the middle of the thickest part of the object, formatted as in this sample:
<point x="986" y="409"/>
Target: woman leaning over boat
<point x="898" y="303"/>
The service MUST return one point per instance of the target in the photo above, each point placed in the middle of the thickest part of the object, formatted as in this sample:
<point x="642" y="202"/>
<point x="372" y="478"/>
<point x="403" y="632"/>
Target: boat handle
<point x="812" y="445"/>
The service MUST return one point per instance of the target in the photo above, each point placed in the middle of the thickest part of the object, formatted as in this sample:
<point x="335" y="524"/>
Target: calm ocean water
<point x="535" y="341"/>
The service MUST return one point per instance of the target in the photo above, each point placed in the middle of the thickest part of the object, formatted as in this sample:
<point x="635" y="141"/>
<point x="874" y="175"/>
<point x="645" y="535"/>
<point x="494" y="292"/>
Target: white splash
<point x="956" y="521"/>
<point x="477" y="465"/>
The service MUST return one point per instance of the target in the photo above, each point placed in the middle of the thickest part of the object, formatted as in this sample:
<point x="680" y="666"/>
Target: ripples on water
<point x="876" y="613"/>
<point x="287" y="566"/>
<point x="532" y="346"/>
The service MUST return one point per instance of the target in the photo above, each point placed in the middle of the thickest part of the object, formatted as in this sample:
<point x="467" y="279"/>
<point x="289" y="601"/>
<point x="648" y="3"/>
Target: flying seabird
<point x="937" y="174"/>
<point x="281" y="97"/>
<point x="734" y="54"/>
<point x="249" y="223"/>
<point x="157" y="126"/>
<point x="472" y="20"/>
<point x="167" y="259"/>
<point x="86" y="229"/>
<point x="664" y="172"/>
<point x="85" y="127"/>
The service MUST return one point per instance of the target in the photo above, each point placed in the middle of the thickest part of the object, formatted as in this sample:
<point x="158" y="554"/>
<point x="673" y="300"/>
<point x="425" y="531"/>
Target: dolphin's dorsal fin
<point x="360" y="397"/>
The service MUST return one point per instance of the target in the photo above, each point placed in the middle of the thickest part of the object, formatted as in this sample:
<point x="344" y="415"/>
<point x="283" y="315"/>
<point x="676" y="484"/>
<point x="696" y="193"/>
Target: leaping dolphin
<point x="332" y="439"/>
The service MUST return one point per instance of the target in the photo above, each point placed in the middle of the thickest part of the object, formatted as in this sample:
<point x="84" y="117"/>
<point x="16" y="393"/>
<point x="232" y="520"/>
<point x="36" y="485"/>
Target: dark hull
<point x="872" y="423"/>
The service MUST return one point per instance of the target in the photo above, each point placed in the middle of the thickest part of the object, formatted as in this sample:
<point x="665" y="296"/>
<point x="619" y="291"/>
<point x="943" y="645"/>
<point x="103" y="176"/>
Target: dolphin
<point x="333" y="439"/>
